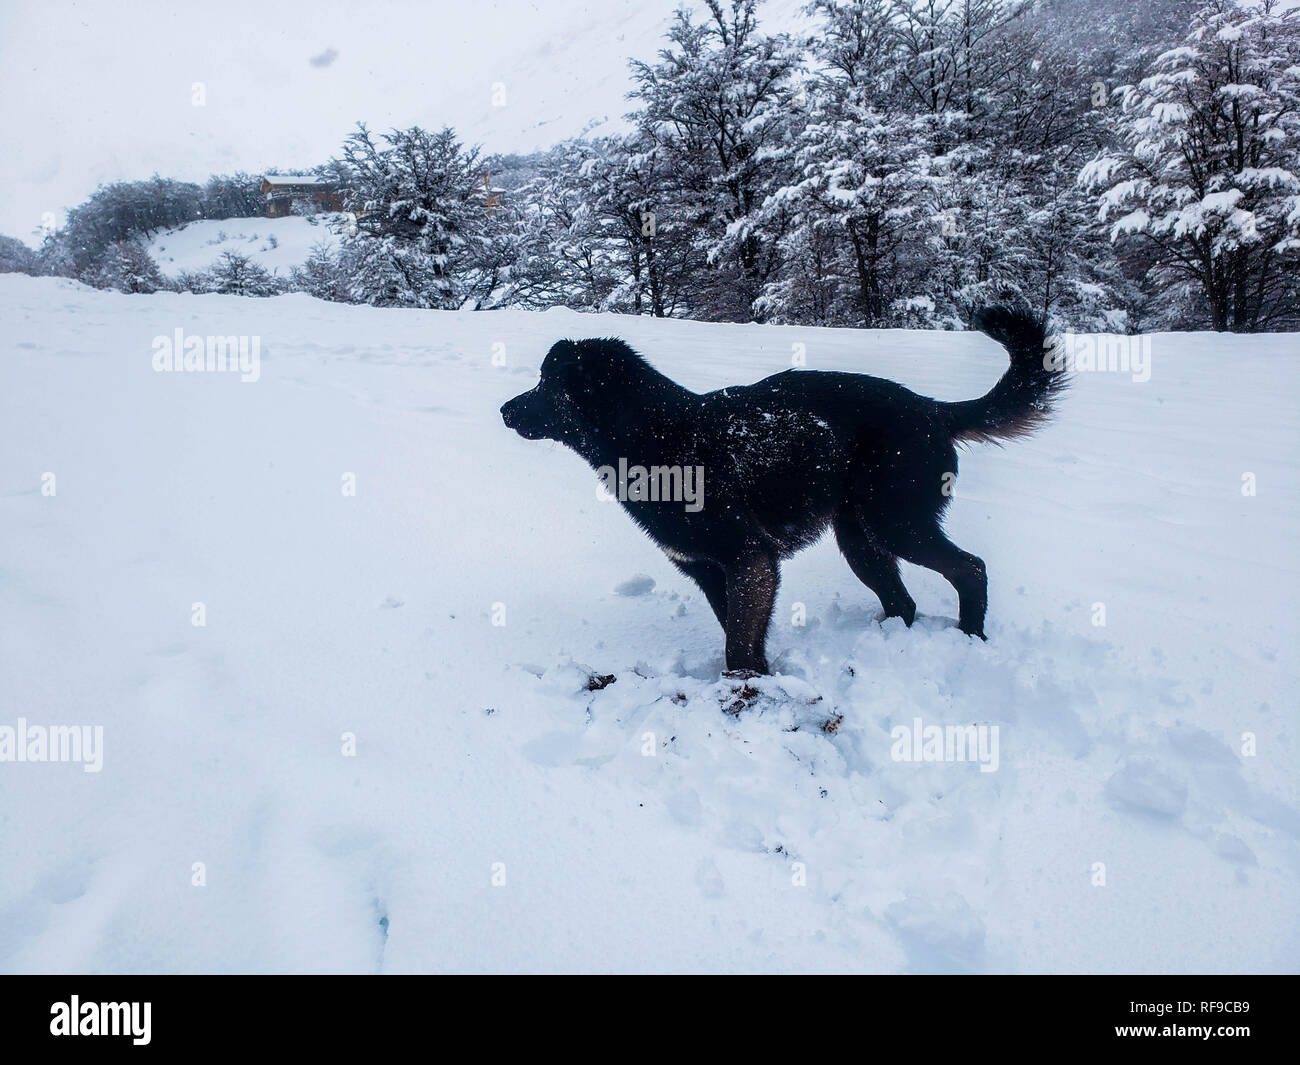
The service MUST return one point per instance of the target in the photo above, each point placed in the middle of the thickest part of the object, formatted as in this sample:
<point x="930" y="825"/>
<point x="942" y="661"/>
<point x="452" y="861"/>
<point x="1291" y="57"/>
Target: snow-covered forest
<point x="1112" y="165"/>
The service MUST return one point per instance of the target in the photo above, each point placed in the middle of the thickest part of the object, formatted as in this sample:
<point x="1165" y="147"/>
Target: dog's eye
<point x="564" y="380"/>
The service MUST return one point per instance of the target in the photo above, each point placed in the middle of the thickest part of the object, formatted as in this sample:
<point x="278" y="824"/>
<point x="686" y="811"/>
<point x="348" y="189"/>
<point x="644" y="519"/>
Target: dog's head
<point x="581" y="381"/>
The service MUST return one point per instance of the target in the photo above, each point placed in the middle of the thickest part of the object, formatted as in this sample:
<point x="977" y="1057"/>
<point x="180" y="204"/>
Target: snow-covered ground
<point x="496" y="815"/>
<point x="278" y="244"/>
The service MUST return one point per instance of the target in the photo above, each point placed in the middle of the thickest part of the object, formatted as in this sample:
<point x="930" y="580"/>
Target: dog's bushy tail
<point x="1025" y="396"/>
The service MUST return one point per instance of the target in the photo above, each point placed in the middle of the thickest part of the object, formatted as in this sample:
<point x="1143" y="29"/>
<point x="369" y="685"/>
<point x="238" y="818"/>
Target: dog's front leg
<point x="751" y="594"/>
<point x="712" y="582"/>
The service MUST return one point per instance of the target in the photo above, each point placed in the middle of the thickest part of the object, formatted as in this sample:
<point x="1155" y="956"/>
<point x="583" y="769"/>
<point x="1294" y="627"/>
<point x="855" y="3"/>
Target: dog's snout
<point x="524" y="415"/>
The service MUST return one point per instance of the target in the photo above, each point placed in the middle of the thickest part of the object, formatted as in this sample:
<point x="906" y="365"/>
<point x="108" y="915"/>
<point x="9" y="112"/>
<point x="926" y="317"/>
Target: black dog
<point x="783" y="459"/>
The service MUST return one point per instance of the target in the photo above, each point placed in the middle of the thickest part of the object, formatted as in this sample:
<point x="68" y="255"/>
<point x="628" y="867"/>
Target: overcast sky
<point x="103" y="91"/>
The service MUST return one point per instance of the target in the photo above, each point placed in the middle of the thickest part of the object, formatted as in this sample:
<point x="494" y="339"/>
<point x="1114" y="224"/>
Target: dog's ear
<point x="560" y="360"/>
<point x="568" y="364"/>
<point x="590" y="367"/>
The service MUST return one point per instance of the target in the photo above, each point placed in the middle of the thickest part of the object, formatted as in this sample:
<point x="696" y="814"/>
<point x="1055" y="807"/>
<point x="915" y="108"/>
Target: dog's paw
<point x="599" y="681"/>
<point x="741" y="694"/>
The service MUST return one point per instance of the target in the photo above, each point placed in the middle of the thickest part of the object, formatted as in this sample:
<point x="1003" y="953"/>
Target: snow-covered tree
<point x="510" y="258"/>
<point x="234" y="274"/>
<point x="236" y="195"/>
<point x="574" y="254"/>
<point x="320" y="275"/>
<point x="720" y="104"/>
<point x="16" y="257"/>
<point x="1205" y="174"/>
<point x="196" y="281"/>
<point x="852" y="207"/>
<point x="654" y="258"/>
<point x="418" y="200"/>
<point x="126" y="266"/>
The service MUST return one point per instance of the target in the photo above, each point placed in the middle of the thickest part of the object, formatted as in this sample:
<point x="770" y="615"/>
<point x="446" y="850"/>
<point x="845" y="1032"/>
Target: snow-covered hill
<point x="497" y="815"/>
<point x="278" y="244"/>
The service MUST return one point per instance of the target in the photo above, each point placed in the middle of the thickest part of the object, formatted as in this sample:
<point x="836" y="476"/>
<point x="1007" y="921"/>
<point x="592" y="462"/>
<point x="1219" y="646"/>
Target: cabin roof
<point x="294" y="179"/>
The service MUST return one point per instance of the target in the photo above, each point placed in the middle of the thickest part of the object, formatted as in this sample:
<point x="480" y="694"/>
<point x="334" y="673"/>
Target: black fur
<point x="787" y="457"/>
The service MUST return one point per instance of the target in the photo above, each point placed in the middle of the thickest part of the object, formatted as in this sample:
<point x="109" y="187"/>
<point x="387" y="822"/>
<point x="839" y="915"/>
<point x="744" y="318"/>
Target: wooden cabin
<point x="283" y="189"/>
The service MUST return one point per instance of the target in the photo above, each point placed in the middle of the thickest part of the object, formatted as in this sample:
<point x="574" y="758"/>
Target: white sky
<point x="92" y="92"/>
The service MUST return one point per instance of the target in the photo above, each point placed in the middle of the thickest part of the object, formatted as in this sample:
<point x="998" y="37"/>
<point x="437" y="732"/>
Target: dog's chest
<point x="677" y="556"/>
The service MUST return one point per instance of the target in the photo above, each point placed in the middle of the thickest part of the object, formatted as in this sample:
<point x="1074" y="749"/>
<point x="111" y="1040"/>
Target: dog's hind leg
<point x="874" y="566"/>
<point x="964" y="571"/>
<point x="751" y="593"/>
<point x="713" y="583"/>
<point x="900" y="486"/>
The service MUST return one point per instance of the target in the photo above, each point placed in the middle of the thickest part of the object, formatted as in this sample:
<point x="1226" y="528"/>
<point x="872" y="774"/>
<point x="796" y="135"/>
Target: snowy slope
<point x="278" y="244"/>
<point x="478" y="744"/>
